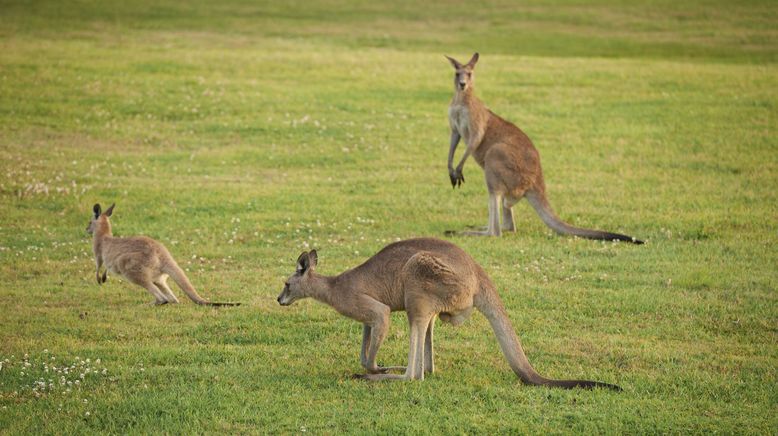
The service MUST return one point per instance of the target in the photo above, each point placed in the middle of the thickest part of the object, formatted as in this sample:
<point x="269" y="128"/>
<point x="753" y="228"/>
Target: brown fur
<point x="424" y="277"/>
<point x="510" y="161"/>
<point x="141" y="260"/>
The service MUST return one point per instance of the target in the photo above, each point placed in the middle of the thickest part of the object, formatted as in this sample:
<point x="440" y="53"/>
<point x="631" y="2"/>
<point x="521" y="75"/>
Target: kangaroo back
<point x="488" y="302"/>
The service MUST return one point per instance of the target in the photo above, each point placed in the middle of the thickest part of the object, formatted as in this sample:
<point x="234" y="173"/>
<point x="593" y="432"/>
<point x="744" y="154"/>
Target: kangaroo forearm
<point x="464" y="158"/>
<point x="455" y="137"/>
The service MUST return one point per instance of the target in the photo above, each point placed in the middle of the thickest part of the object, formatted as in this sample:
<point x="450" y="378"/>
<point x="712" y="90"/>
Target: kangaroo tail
<point x="177" y="274"/>
<point x="488" y="302"/>
<point x="540" y="203"/>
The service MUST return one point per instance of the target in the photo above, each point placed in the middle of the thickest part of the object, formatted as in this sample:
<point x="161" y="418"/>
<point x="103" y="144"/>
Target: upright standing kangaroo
<point x="424" y="277"/>
<point x="140" y="260"/>
<point x="511" y="163"/>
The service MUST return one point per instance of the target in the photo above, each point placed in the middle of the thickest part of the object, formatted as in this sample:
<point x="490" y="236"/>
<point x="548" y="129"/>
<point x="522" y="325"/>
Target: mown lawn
<point x="241" y="133"/>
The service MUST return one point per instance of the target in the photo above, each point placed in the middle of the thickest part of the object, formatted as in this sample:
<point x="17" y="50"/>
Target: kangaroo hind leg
<point x="161" y="283"/>
<point x="415" y="368"/>
<point x="508" y="223"/>
<point x="159" y="296"/>
<point x="147" y="283"/>
<point x="493" y="226"/>
<point x="419" y="327"/>
<point x="429" y="359"/>
<point x="373" y="334"/>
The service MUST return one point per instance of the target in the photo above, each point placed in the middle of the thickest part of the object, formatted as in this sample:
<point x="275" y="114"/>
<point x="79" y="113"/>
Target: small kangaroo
<point x="510" y="162"/>
<point x="140" y="260"/>
<point x="424" y="277"/>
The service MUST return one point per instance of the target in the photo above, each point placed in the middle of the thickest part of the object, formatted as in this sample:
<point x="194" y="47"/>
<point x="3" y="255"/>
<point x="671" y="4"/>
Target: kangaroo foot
<point x="476" y="233"/>
<point x="384" y="369"/>
<point x="378" y="377"/>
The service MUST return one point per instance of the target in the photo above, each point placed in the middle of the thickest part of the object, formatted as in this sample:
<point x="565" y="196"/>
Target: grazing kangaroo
<point x="424" y="277"/>
<point x="510" y="162"/>
<point x="140" y="260"/>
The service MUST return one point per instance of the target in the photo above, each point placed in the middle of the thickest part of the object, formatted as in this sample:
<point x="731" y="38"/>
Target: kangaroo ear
<point x="303" y="262"/>
<point x="313" y="259"/>
<point x="473" y="60"/>
<point x="454" y="62"/>
<point x="97" y="210"/>
<point x="109" y="211"/>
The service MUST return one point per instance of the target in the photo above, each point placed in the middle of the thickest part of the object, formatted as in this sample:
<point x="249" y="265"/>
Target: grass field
<point x="241" y="133"/>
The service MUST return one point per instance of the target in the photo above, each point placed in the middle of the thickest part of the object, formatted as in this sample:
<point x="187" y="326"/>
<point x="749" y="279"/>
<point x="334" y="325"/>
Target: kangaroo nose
<point x="279" y="300"/>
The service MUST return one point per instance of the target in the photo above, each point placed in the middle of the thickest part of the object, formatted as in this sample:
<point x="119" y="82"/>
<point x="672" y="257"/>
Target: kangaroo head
<point x="296" y="285"/>
<point x="463" y="79"/>
<point x="99" y="218"/>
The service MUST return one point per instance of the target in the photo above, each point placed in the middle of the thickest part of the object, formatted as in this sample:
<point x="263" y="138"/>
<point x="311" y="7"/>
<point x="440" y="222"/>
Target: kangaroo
<point x="510" y="162"/>
<point x="140" y="260"/>
<point x="424" y="277"/>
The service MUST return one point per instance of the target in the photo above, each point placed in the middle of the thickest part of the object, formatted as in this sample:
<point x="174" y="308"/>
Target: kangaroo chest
<point x="459" y="118"/>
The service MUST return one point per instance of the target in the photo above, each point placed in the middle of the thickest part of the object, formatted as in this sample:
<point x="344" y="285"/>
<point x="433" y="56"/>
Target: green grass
<point x="240" y="134"/>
